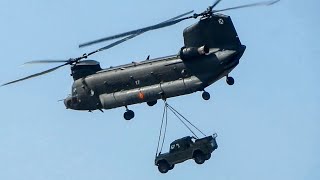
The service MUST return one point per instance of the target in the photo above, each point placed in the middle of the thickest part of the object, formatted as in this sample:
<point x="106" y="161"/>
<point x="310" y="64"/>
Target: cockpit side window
<point x="74" y="91"/>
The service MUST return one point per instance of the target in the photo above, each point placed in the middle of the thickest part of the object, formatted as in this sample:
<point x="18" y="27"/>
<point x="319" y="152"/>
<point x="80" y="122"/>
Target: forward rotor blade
<point x="138" y="31"/>
<point x="35" y="75"/>
<point x="266" y="3"/>
<point x="46" y="61"/>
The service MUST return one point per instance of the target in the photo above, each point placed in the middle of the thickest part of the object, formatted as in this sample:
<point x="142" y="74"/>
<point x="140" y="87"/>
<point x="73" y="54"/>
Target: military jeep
<point x="184" y="149"/>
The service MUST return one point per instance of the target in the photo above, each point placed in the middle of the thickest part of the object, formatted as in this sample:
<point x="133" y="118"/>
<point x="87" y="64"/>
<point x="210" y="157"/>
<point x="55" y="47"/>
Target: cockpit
<point x="81" y="99"/>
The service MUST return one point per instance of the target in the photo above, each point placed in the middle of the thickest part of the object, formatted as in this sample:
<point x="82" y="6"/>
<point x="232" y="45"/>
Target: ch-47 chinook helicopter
<point x="211" y="50"/>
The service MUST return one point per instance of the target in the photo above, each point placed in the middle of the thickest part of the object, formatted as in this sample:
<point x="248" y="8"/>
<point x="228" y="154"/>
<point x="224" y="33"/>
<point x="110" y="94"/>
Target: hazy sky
<point x="268" y="122"/>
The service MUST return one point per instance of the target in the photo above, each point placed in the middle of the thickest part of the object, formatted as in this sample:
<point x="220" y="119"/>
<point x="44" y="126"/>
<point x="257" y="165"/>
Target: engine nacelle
<point x="192" y="52"/>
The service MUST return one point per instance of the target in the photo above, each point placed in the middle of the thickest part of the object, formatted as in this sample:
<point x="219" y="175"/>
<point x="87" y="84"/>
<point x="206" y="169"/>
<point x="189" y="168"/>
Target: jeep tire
<point x="163" y="167"/>
<point x="199" y="157"/>
<point x="207" y="156"/>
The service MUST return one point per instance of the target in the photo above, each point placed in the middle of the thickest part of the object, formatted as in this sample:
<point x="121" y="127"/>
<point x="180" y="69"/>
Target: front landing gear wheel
<point x="205" y="95"/>
<point x="230" y="81"/>
<point x="128" y="115"/>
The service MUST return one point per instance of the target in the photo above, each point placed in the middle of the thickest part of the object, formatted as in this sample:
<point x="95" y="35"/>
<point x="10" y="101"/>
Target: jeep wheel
<point x="199" y="158"/>
<point x="163" y="167"/>
<point x="207" y="156"/>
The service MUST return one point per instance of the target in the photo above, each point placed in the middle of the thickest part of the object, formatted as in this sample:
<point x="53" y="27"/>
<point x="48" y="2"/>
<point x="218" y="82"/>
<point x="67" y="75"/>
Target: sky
<point x="267" y="123"/>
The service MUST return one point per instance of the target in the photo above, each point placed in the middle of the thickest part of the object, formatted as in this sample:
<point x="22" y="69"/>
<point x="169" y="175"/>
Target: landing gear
<point x="230" y="81"/>
<point x="128" y="115"/>
<point x="205" y="95"/>
<point x="152" y="103"/>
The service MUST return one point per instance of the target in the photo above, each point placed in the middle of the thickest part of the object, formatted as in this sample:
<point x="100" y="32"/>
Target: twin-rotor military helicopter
<point x="211" y="50"/>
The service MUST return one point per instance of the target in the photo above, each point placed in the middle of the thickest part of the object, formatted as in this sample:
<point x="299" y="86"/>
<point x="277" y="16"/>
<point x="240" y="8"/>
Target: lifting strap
<point x="165" y="114"/>
<point x="176" y="113"/>
<point x="164" y="124"/>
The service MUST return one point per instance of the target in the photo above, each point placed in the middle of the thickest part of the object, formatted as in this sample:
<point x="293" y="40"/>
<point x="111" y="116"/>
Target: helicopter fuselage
<point x="150" y="80"/>
<point x="212" y="49"/>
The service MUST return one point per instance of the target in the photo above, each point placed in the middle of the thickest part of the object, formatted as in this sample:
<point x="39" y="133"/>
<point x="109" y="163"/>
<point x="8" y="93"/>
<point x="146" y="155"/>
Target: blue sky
<point x="268" y="122"/>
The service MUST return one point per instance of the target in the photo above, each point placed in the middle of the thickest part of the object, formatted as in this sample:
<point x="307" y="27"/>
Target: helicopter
<point x="211" y="50"/>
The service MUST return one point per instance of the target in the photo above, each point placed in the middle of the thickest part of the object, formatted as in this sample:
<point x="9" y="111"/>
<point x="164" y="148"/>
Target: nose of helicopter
<point x="67" y="102"/>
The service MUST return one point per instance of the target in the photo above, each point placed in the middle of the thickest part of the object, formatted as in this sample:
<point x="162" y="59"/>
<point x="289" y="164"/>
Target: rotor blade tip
<point x="274" y="2"/>
<point x="4" y="84"/>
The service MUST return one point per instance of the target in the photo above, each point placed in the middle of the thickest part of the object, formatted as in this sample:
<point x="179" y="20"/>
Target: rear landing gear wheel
<point x="128" y="115"/>
<point x="152" y="103"/>
<point x="230" y="81"/>
<point x="205" y="95"/>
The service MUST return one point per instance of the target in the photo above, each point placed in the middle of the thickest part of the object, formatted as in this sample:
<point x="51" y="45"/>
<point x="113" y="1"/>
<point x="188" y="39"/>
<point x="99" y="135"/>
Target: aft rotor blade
<point x="35" y="75"/>
<point x="265" y="3"/>
<point x="115" y="43"/>
<point x="138" y="31"/>
<point x="169" y="23"/>
<point x="46" y="61"/>
<point x="215" y="4"/>
<point x="177" y="17"/>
